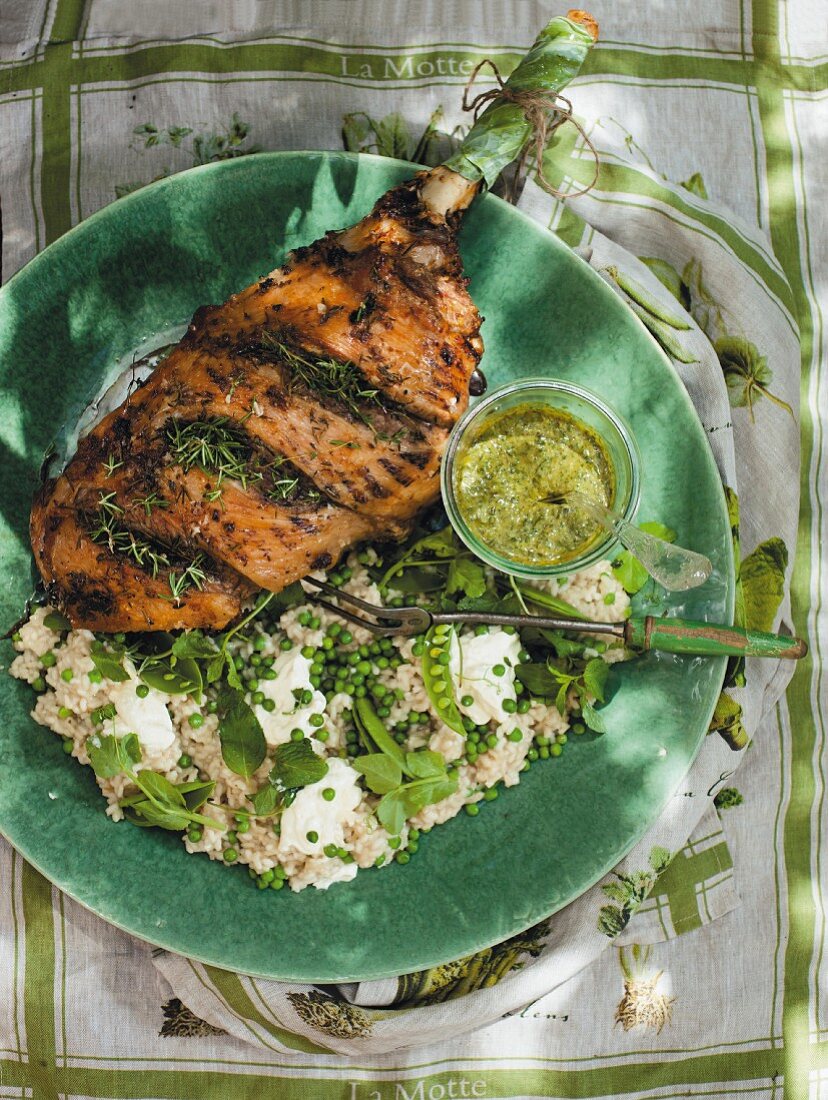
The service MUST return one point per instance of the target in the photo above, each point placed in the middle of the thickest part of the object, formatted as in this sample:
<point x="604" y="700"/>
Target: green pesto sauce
<point x="520" y="456"/>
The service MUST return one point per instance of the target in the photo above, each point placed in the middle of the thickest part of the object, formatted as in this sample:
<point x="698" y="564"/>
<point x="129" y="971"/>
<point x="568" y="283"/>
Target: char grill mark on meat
<point x="382" y="305"/>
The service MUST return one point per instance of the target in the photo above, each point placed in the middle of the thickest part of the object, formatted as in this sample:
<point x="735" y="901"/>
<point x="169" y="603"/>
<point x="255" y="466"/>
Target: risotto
<point x="338" y="751"/>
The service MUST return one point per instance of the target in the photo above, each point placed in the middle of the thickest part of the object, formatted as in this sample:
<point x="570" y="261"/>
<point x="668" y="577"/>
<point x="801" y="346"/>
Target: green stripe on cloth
<point x="39" y="981"/>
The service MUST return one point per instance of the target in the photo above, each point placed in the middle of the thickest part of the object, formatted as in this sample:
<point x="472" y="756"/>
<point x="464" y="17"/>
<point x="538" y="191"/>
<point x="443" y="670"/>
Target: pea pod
<point x="643" y="298"/>
<point x="377" y="732"/>
<point x="436" y="674"/>
<point x="664" y="335"/>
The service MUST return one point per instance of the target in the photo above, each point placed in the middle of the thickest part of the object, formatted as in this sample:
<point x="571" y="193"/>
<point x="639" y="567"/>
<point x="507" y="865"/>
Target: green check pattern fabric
<point x="697" y="966"/>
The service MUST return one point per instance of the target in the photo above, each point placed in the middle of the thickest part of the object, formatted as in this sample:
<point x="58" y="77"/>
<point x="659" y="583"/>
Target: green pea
<point x="269" y="705"/>
<point x="556" y="750"/>
<point x="230" y="855"/>
<point x="253" y="685"/>
<point x="383" y="712"/>
<point x="481" y="630"/>
<point x="330" y="851"/>
<point x="490" y="794"/>
<point x="360" y="692"/>
<point x="297" y="735"/>
<point x="472" y="809"/>
<point x="346" y="637"/>
<point x="64" y="712"/>
<point x="516" y="735"/>
<point x="68" y="745"/>
<point x="418" y="649"/>
<point x="48" y="660"/>
<point x="491" y="740"/>
<point x="95" y="676"/>
<point x="267" y="876"/>
<point x="509" y="706"/>
<point x="498" y="670"/>
<point x="532" y="755"/>
<point x="334" y="630"/>
<point x="304" y="618"/>
<point x="242" y="824"/>
<point x="39" y="684"/>
<point x="312" y="836"/>
<point x="543" y="753"/>
<point x="523" y="706"/>
<point x="67" y="675"/>
<point x="194" y="834"/>
<point x="212" y="707"/>
<point x="196" y="720"/>
<point x="277" y="884"/>
<point x="260" y="642"/>
<point x="142" y="691"/>
<point x="285" y="645"/>
<point x="402" y="857"/>
<point x="328" y="793"/>
<point x="185" y="761"/>
<point x="328" y="644"/>
<point x="255" y="660"/>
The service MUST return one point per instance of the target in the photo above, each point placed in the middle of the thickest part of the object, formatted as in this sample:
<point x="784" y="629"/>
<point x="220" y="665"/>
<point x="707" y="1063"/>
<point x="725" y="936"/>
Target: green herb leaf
<point x="108" y="664"/>
<point x="382" y="774"/>
<point x="193" y="644"/>
<point x="113" y="755"/>
<point x="158" y="788"/>
<point x="466" y="575"/>
<point x="295" y="764"/>
<point x="243" y="745"/>
<point x="593" y="718"/>
<point x="57" y="622"/>
<point x="216" y="667"/>
<point x="392" y="812"/>
<point x="266" y="800"/>
<point x="425" y="764"/>
<point x="180" y="678"/>
<point x="425" y="792"/>
<point x="196" y="792"/>
<point x="537" y="678"/>
<point x="595" y="678"/>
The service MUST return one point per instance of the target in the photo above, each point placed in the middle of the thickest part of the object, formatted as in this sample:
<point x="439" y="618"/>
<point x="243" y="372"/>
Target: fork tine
<point x="375" y="628"/>
<point x="416" y="615"/>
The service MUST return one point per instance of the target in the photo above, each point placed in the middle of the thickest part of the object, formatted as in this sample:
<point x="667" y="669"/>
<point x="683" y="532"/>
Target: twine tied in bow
<point x="544" y="111"/>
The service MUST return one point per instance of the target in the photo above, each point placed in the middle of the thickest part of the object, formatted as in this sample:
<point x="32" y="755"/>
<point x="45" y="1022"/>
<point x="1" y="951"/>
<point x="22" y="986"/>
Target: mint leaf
<point x="266" y="800"/>
<point x="425" y="792"/>
<point x="425" y="764"/>
<point x="537" y="678"/>
<point x="595" y="678"/>
<point x="243" y="745"/>
<point x="382" y="774"/>
<point x="57" y="622"/>
<point x="295" y="764"/>
<point x="216" y="667"/>
<point x="194" y="644"/>
<point x="179" y="676"/>
<point x="113" y="755"/>
<point x="593" y="718"/>
<point x="108" y="664"/>
<point x="196" y="792"/>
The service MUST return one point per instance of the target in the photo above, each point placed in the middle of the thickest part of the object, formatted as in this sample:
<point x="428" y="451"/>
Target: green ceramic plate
<point x="140" y="267"/>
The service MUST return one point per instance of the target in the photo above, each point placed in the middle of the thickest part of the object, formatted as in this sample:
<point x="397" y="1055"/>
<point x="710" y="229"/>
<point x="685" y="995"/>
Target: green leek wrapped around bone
<point x="502" y="130"/>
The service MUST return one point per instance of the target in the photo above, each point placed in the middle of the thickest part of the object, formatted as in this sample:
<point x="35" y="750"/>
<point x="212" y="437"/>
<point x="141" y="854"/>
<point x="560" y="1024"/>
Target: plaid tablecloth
<point x="711" y="124"/>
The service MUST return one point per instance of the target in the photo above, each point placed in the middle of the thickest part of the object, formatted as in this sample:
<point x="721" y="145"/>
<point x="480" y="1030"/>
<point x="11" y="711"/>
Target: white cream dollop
<point x="147" y="718"/>
<point x="472" y="658"/>
<point x="311" y="813"/>
<point x="292" y="674"/>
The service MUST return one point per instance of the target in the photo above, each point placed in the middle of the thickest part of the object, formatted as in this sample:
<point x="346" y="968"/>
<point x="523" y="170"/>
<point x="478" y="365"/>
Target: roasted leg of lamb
<point x="304" y="415"/>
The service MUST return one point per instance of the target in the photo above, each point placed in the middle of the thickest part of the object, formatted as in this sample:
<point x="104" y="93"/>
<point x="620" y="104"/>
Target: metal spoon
<point x="675" y="568"/>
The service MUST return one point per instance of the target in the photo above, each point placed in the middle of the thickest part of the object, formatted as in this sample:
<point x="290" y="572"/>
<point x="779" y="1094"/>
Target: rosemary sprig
<point x="192" y="576"/>
<point x="110" y="466"/>
<point x="342" y="382"/>
<point x="152" y="500"/>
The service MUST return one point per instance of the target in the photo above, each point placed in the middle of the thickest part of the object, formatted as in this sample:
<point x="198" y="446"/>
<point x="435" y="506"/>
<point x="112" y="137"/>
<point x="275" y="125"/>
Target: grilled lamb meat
<point x="306" y="414"/>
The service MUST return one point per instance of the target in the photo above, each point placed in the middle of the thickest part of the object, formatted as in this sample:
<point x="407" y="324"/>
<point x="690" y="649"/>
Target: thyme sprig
<point x="339" y="381"/>
<point x="213" y="447"/>
<point x="108" y="530"/>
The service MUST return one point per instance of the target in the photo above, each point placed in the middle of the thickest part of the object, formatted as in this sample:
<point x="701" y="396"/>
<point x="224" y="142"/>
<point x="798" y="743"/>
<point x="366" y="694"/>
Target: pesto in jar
<point x="521" y="455"/>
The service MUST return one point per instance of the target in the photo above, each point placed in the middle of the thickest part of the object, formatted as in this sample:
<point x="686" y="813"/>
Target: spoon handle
<point x="709" y="640"/>
<point x="675" y="568"/>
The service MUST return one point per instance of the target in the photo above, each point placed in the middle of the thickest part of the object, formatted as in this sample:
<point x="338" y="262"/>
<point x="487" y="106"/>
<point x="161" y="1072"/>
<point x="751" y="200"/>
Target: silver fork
<point x="644" y="633"/>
